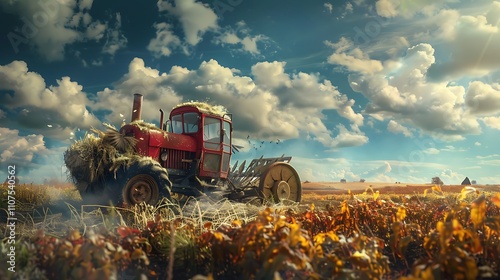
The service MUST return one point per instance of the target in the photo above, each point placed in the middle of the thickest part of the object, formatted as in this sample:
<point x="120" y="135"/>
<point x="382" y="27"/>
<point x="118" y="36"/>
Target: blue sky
<point x="382" y="90"/>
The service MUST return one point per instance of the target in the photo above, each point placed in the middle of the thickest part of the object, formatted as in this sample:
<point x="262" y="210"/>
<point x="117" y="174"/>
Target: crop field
<point x="338" y="231"/>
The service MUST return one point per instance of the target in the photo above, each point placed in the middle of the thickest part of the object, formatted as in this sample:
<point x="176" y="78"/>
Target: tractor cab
<point x="211" y="130"/>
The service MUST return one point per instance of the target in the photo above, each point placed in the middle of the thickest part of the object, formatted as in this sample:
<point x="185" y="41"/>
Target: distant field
<point x="388" y="188"/>
<point x="42" y="194"/>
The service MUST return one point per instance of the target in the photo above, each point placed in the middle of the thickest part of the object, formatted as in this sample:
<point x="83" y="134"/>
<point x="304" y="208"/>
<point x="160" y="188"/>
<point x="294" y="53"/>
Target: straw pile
<point x="143" y="126"/>
<point x="92" y="159"/>
<point x="217" y="110"/>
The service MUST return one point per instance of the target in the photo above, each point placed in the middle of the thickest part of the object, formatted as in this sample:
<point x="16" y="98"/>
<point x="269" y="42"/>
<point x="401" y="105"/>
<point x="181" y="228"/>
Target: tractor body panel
<point x="142" y="147"/>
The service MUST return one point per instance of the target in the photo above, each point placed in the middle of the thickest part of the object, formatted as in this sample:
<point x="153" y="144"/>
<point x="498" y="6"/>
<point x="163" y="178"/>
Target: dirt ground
<point x="396" y="188"/>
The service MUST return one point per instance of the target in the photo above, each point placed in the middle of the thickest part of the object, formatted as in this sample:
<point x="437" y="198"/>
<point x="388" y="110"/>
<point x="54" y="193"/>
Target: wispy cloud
<point x="328" y="7"/>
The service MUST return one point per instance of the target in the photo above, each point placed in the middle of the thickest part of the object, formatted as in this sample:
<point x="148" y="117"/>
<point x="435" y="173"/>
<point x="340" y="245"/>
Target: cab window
<point x="177" y="124"/>
<point x="185" y="123"/>
<point x="211" y="130"/>
<point x="211" y="133"/>
<point x="190" y="122"/>
<point x="227" y="133"/>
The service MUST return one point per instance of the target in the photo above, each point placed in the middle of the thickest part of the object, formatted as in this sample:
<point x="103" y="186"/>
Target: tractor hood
<point x="151" y="139"/>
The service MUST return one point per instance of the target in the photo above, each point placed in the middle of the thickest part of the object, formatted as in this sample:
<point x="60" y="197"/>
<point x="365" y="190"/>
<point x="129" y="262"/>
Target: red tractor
<point x="189" y="155"/>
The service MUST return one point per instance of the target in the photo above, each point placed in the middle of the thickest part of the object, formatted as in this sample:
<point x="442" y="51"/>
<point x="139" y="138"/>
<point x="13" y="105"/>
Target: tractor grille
<point x="178" y="159"/>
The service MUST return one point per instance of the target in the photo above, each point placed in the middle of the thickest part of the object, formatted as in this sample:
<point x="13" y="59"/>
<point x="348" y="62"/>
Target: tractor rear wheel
<point x="280" y="183"/>
<point x="143" y="181"/>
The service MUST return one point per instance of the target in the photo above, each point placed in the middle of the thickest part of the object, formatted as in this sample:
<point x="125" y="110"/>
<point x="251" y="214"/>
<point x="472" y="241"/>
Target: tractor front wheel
<point x="141" y="188"/>
<point x="144" y="181"/>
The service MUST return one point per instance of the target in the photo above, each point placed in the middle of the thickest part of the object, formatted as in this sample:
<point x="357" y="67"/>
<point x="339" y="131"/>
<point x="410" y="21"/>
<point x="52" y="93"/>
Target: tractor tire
<point x="144" y="181"/>
<point x="144" y="176"/>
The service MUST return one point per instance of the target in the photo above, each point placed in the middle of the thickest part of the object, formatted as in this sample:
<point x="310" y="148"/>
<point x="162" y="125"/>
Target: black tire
<point x="146" y="176"/>
<point x="144" y="181"/>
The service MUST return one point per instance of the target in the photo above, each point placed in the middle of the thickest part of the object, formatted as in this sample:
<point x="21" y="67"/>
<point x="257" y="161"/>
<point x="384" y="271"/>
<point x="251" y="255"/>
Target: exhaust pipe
<point x="161" y="119"/>
<point x="137" y="107"/>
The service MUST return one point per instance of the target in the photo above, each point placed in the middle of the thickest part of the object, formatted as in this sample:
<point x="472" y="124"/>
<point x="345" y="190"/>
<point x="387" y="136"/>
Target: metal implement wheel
<point x="281" y="182"/>
<point x="141" y="188"/>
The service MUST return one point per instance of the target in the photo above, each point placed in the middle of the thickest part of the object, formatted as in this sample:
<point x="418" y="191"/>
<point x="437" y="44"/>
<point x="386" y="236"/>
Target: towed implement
<point x="189" y="155"/>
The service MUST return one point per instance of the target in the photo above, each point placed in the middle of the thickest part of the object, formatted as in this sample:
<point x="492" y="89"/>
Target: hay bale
<point x="91" y="159"/>
<point x="124" y="144"/>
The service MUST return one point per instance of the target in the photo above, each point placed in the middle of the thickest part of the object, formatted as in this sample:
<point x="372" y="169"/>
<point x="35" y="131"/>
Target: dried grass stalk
<point x="217" y="110"/>
<point x="90" y="160"/>
<point x="144" y="126"/>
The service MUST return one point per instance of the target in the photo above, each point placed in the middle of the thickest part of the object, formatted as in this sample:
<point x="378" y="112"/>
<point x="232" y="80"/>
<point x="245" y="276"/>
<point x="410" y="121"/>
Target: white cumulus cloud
<point x="401" y="91"/>
<point x="195" y="17"/>
<point x="483" y="98"/>
<point x="395" y="128"/>
<point x="18" y="149"/>
<point x="288" y="106"/>
<point x="493" y="122"/>
<point x="472" y="41"/>
<point x="63" y="105"/>
<point x="165" y="41"/>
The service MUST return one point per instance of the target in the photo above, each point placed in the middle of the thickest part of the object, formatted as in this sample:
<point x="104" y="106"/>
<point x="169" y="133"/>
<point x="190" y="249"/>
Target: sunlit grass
<point x="30" y="195"/>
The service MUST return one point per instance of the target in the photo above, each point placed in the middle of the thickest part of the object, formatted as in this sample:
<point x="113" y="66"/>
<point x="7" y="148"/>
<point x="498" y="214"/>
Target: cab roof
<point x="202" y="107"/>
